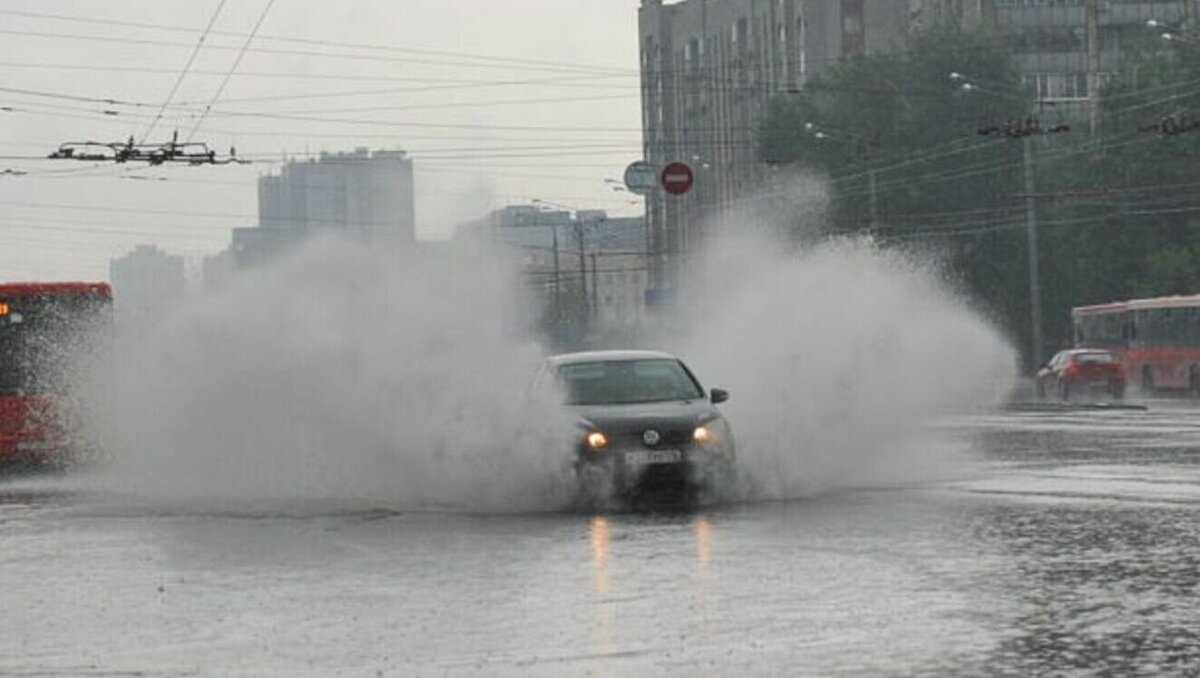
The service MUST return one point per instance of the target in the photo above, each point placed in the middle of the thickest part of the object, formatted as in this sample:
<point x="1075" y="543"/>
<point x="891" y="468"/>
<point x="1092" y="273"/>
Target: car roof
<point x="606" y="356"/>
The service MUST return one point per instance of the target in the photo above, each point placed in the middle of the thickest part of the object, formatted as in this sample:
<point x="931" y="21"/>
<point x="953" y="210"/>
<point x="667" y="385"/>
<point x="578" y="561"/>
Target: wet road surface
<point x="1063" y="543"/>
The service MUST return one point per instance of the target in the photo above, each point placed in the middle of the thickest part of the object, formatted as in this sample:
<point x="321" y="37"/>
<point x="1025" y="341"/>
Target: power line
<point x="308" y="41"/>
<point x="186" y="67"/>
<point x="587" y="81"/>
<point x="492" y="65"/>
<point x="236" y="62"/>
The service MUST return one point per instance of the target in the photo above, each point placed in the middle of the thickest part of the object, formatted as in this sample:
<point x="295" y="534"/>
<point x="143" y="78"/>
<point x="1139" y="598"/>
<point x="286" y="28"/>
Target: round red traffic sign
<point x="677" y="178"/>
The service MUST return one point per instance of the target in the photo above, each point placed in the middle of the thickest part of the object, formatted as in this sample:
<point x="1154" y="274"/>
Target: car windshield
<point x="628" y="381"/>
<point x="1094" y="358"/>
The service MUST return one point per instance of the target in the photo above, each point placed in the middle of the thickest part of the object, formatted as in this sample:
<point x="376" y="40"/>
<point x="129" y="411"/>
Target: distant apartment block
<point x="148" y="283"/>
<point x="708" y="68"/>
<point x="362" y="194"/>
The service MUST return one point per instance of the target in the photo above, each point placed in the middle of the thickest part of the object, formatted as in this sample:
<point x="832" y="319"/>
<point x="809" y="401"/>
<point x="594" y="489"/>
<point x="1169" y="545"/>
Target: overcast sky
<point x="556" y="139"/>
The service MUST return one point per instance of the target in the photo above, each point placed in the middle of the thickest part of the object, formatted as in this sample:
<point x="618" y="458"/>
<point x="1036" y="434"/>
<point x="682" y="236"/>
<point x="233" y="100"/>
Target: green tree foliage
<point x="1114" y="197"/>
<point x="1121" y="219"/>
<point x="907" y="125"/>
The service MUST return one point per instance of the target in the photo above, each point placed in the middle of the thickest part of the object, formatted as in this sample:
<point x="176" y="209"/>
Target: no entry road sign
<point x="677" y="178"/>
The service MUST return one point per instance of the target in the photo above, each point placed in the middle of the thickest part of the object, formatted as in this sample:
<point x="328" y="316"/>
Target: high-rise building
<point x="147" y="284"/>
<point x="362" y="194"/>
<point x="708" y="68"/>
<point x="1065" y="48"/>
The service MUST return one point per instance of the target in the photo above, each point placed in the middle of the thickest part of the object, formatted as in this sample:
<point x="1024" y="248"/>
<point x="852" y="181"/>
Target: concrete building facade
<point x="708" y="68"/>
<point x="361" y="194"/>
<point x="148" y="283"/>
<point x="613" y="270"/>
<point x="1065" y="48"/>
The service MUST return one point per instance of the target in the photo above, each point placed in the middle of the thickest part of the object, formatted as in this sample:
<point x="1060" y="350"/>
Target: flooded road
<point x="1063" y="543"/>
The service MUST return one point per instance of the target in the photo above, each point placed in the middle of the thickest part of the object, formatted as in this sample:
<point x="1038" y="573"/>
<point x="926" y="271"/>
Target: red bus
<point x="1157" y="340"/>
<point x="48" y="331"/>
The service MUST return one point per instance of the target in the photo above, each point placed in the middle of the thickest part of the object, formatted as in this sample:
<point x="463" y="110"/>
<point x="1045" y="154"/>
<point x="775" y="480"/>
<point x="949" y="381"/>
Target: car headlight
<point x="596" y="441"/>
<point x="712" y="434"/>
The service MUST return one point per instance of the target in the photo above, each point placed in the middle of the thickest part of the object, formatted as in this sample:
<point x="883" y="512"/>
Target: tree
<point x="898" y="137"/>
<point x="1123" y="219"/>
<point x="1116" y="206"/>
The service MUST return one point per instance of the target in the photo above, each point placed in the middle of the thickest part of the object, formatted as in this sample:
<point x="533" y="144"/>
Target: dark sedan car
<point x="645" y="423"/>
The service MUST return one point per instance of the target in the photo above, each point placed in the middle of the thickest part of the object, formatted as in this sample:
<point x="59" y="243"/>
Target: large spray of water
<point x="340" y="375"/>
<point x="343" y="376"/>
<point x="835" y="355"/>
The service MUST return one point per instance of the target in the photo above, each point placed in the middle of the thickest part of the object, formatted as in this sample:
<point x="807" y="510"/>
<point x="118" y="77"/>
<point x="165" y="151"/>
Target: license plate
<point x="643" y="457"/>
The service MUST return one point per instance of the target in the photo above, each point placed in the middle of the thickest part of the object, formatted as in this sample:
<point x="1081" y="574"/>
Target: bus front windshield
<point x="43" y="340"/>
<point x="628" y="381"/>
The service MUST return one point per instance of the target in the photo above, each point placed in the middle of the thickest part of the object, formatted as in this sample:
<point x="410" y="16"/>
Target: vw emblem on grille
<point x="651" y="437"/>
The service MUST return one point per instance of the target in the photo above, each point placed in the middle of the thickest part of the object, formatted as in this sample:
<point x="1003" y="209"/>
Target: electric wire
<point x="236" y="62"/>
<point x="183" y="73"/>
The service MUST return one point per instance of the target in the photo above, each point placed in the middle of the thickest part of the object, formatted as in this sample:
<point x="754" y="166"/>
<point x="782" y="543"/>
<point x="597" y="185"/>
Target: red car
<point x="1081" y="371"/>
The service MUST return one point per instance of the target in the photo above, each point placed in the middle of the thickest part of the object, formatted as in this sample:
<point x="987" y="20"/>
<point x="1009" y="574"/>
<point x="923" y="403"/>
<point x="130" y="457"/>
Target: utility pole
<point x="1035" y="290"/>
<point x="873" y="205"/>
<point x="595" y="290"/>
<point x="584" y="311"/>
<point x="874" y="200"/>
<point x="1092" y="15"/>
<point x="558" y="316"/>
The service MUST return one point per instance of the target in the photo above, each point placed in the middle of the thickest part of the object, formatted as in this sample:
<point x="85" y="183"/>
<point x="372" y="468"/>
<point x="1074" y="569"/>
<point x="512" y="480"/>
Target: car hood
<point x="639" y="416"/>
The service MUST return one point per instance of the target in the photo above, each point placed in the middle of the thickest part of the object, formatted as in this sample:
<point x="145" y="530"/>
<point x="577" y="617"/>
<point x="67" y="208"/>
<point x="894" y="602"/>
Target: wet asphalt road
<point x="1060" y="544"/>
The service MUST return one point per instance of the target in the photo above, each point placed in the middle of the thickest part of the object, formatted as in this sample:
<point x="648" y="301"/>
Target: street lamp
<point x="1167" y="31"/>
<point x="1031" y="235"/>
<point x="822" y="132"/>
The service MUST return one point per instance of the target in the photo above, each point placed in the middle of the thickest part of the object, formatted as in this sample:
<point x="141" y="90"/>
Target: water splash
<point x="835" y="356"/>
<point x="342" y="375"/>
<point x="338" y="375"/>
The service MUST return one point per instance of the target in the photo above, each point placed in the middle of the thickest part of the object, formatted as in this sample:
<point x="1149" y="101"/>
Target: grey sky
<point x="67" y="219"/>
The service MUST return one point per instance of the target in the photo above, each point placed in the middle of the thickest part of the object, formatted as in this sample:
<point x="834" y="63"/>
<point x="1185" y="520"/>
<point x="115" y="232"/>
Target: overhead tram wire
<point x="183" y="73"/>
<point x="489" y="65"/>
<point x="303" y="118"/>
<point x="907" y="161"/>
<point x="317" y="42"/>
<point x="159" y="27"/>
<point x="436" y="83"/>
<point x="729" y="82"/>
<point x="1119" y="138"/>
<point x="489" y="59"/>
<point x="236" y="62"/>
<point x="1140" y="105"/>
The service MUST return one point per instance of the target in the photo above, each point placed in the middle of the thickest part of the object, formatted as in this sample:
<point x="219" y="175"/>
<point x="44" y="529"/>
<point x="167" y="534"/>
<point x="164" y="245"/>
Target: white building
<point x="362" y="194"/>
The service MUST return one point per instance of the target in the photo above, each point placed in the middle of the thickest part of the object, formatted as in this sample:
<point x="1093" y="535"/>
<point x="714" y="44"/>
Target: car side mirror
<point x="718" y="396"/>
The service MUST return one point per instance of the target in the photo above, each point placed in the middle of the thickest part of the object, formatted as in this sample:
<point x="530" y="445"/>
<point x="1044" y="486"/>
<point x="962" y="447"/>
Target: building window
<point x="1059" y="85"/>
<point x="853" y="39"/>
